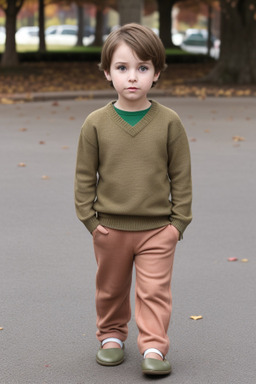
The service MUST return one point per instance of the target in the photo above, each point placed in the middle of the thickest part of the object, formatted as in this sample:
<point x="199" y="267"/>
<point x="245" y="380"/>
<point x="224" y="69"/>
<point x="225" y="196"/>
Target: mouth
<point x="132" y="88"/>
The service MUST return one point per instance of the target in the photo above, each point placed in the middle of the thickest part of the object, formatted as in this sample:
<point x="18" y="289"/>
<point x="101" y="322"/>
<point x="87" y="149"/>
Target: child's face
<point x="132" y="78"/>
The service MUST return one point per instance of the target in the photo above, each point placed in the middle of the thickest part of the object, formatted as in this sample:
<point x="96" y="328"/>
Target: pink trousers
<point x="152" y="253"/>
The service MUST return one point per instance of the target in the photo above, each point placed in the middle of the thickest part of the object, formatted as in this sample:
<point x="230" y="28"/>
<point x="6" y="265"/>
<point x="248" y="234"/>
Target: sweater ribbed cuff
<point x="179" y="226"/>
<point x="91" y="224"/>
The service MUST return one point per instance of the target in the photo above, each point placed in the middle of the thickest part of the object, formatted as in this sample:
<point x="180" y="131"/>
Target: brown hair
<point x="142" y="40"/>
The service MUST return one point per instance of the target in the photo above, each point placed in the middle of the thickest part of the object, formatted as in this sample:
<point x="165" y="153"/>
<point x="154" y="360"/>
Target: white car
<point x="196" y="42"/>
<point x="65" y="35"/>
<point x="177" y="38"/>
<point x="2" y="35"/>
<point x="27" y="35"/>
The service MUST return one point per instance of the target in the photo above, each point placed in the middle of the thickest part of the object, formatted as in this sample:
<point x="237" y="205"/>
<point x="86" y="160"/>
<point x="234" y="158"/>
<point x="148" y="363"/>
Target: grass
<point x="61" y="48"/>
<point x="53" y="48"/>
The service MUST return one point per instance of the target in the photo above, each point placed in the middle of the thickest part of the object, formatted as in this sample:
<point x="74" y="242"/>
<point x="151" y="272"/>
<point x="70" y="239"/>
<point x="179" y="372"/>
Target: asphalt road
<point x="47" y="266"/>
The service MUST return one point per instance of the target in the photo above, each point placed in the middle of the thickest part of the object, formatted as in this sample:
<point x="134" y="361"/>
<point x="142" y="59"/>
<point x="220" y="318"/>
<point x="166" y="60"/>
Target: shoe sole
<point x="105" y="364"/>
<point x="156" y="373"/>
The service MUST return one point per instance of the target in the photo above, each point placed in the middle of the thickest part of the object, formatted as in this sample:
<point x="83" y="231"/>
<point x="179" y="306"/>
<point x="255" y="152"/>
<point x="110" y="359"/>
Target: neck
<point x="133" y="106"/>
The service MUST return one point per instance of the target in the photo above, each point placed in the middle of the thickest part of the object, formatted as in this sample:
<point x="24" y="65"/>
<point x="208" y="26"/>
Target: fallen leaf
<point x="72" y="118"/>
<point x="232" y="259"/>
<point x="193" y="139"/>
<point x="45" y="177"/>
<point x="23" y="129"/>
<point x="244" y="260"/>
<point x="65" y="147"/>
<point x="55" y="104"/>
<point x="21" y="165"/>
<point x="238" y="138"/>
<point x="4" y="100"/>
<point x="41" y="142"/>
<point x="196" y="317"/>
<point x="1" y="328"/>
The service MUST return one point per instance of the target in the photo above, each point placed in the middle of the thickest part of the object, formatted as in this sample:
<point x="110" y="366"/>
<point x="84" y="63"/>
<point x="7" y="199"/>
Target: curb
<point x="71" y="95"/>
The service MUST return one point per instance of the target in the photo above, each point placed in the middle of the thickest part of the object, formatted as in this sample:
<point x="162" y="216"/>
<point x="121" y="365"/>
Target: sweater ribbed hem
<point x="133" y="223"/>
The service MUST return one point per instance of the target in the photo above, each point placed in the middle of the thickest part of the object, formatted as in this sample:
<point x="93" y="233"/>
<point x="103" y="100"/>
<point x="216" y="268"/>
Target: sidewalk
<point x="69" y="95"/>
<point x="198" y="91"/>
<point x="47" y="267"/>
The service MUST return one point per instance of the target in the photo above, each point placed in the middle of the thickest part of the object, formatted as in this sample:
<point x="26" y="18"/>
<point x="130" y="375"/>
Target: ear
<point x="156" y="76"/>
<point x="107" y="75"/>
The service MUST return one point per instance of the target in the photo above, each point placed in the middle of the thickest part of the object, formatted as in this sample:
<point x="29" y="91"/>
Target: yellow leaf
<point x="21" y="165"/>
<point x="6" y="101"/>
<point x="238" y="138"/>
<point x="196" y="317"/>
<point x="244" y="260"/>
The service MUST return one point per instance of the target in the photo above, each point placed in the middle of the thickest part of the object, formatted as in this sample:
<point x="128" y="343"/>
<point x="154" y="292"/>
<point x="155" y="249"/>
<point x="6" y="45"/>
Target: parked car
<point x="27" y="35"/>
<point x="196" y="41"/>
<point x="89" y="31"/>
<point x="2" y="35"/>
<point x="177" y="38"/>
<point x="65" y="35"/>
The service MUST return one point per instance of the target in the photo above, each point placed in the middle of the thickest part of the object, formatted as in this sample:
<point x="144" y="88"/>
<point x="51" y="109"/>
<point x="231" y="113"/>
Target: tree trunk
<point x="237" y="63"/>
<point x="209" y="28"/>
<point x="10" y="55"/>
<point x="99" y="27"/>
<point x="165" y="21"/>
<point x="130" y="11"/>
<point x="41" y="18"/>
<point x="80" y="19"/>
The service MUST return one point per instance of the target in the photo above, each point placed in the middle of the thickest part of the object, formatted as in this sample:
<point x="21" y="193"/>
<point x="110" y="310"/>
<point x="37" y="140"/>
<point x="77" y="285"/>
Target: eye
<point x="143" y="68"/>
<point x="121" y="68"/>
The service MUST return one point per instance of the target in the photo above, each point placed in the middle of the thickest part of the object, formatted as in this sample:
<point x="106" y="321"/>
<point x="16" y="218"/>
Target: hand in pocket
<point x="101" y="229"/>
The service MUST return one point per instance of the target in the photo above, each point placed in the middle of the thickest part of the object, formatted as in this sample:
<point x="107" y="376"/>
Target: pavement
<point x="71" y="95"/>
<point x="47" y="266"/>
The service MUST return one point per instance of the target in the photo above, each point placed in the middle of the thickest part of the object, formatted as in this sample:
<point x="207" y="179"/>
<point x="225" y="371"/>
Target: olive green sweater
<point x="133" y="178"/>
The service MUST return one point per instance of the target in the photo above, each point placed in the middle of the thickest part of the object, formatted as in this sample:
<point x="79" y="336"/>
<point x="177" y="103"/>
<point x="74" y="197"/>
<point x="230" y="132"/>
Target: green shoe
<point x="156" y="367"/>
<point x="110" y="356"/>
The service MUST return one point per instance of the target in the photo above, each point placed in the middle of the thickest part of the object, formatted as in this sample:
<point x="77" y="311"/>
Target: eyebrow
<point x="121" y="62"/>
<point x="126" y="62"/>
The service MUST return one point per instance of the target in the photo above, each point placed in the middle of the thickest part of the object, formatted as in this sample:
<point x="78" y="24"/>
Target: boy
<point x="133" y="193"/>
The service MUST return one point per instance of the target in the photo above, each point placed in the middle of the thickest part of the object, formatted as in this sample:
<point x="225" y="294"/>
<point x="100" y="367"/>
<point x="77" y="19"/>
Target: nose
<point x="132" y="76"/>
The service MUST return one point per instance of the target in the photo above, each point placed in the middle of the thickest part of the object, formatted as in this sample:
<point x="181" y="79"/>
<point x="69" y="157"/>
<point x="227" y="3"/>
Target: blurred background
<point x="189" y="23"/>
<point x="221" y="35"/>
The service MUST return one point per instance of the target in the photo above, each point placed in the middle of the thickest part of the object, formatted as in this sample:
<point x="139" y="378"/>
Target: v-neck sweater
<point x="133" y="178"/>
